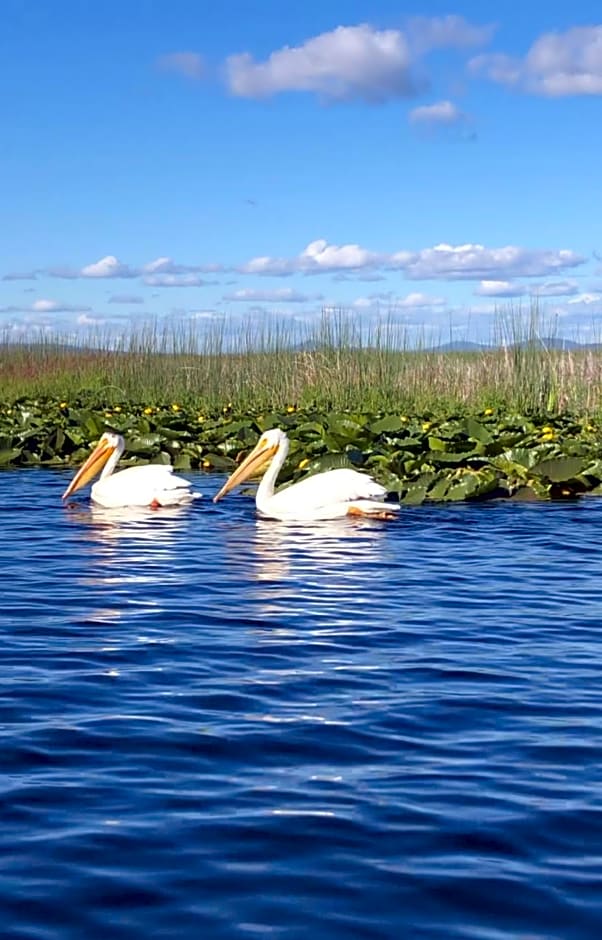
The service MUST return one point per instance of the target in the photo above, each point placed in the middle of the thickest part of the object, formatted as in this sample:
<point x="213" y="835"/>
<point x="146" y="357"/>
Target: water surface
<point x="221" y="727"/>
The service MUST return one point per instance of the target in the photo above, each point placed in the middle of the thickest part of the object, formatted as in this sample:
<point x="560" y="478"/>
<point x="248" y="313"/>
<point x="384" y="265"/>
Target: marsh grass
<point x="336" y="364"/>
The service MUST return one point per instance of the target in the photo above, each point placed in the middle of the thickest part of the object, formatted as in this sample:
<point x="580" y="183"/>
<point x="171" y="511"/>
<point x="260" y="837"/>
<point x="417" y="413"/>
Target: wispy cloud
<point x="20" y="276"/>
<point x="556" y="65"/>
<point x="447" y="32"/>
<point x="175" y="280"/>
<point x="125" y="299"/>
<point x="439" y="113"/>
<point x="46" y="306"/>
<point x="188" y="64"/>
<point x="279" y="295"/>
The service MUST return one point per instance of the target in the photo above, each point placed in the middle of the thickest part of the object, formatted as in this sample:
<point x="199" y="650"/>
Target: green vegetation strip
<point x="420" y="457"/>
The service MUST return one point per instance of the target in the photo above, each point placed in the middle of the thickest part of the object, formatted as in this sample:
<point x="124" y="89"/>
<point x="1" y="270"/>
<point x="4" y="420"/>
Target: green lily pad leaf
<point x="560" y="469"/>
<point x="182" y="462"/>
<point x="477" y="432"/>
<point x="387" y="425"/>
<point x="439" y="490"/>
<point x="7" y="456"/>
<point x="466" y="486"/>
<point x="329" y="462"/>
<point x="435" y="443"/>
<point x="415" y="494"/>
<point x="342" y="426"/>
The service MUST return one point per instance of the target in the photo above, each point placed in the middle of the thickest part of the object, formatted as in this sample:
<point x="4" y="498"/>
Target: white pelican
<point x="151" y="485"/>
<point x="328" y="495"/>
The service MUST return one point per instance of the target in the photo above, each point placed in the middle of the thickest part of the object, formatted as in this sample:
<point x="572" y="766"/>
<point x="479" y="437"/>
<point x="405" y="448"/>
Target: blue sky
<point x="186" y="160"/>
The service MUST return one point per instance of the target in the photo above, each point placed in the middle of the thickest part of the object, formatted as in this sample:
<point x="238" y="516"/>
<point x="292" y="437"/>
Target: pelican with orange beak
<point x="328" y="495"/>
<point x="151" y="485"/>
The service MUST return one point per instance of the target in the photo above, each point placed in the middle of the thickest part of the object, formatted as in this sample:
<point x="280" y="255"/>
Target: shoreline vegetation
<point x="521" y="420"/>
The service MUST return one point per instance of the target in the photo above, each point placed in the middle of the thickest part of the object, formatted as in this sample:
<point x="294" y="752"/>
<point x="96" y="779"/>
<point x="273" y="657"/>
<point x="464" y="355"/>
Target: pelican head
<point x="269" y="444"/>
<point x="108" y="445"/>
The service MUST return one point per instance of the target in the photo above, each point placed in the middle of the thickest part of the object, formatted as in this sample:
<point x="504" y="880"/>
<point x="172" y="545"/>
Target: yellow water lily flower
<point x="108" y="414"/>
<point x="427" y="425"/>
<point x="488" y="411"/>
<point x="201" y="418"/>
<point x="175" y="407"/>
<point x="290" y="409"/>
<point x="148" y="411"/>
<point x="547" y="429"/>
<point x="63" y="404"/>
<point x="303" y="463"/>
<point x="117" y="408"/>
<point x="206" y="463"/>
<point x="550" y="436"/>
<point x="404" y="418"/>
<point x="589" y="427"/>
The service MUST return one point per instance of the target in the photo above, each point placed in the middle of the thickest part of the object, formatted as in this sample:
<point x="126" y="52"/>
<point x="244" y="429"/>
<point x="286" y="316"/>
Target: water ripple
<point x="217" y="726"/>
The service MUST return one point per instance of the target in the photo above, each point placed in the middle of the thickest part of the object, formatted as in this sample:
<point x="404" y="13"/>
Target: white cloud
<point x="125" y="299"/>
<point x="555" y="289"/>
<point x="475" y="262"/>
<point x="174" y="280"/>
<point x="284" y="294"/>
<point x="442" y="262"/>
<point x="416" y="300"/>
<point x="500" y="289"/>
<point x="108" y="266"/>
<point x="412" y="301"/>
<point x="438" y="113"/>
<point x="189" y="64"/>
<point x="86" y="320"/>
<point x="318" y="258"/>
<point x="350" y="62"/>
<point x="451" y="32"/>
<point x="586" y="299"/>
<point x="46" y="306"/>
<point x="556" y="65"/>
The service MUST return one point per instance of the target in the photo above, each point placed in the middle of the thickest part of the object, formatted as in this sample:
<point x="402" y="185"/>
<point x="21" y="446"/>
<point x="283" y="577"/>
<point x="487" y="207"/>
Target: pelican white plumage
<point x="328" y="495"/>
<point x="151" y="485"/>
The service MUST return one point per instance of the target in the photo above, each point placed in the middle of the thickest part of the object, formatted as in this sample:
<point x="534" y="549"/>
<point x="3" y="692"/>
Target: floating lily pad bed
<point x="419" y="457"/>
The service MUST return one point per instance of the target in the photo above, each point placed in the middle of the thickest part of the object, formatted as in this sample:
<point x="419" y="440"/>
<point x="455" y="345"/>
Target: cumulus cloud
<point x="500" y="289"/>
<point x="109" y="266"/>
<point x="439" y="113"/>
<point x="188" y="64"/>
<point x="442" y="262"/>
<point x="350" y="62"/>
<point x="556" y="65"/>
<point x="475" y="262"/>
<point x="318" y="258"/>
<point x="284" y="294"/>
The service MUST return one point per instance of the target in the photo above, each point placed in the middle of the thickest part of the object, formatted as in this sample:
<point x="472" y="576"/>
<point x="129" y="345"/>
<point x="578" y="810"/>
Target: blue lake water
<point x="214" y="726"/>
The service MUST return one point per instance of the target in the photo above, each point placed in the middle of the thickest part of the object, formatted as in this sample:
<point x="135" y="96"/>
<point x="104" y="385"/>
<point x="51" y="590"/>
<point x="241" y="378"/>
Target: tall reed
<point x="337" y="363"/>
